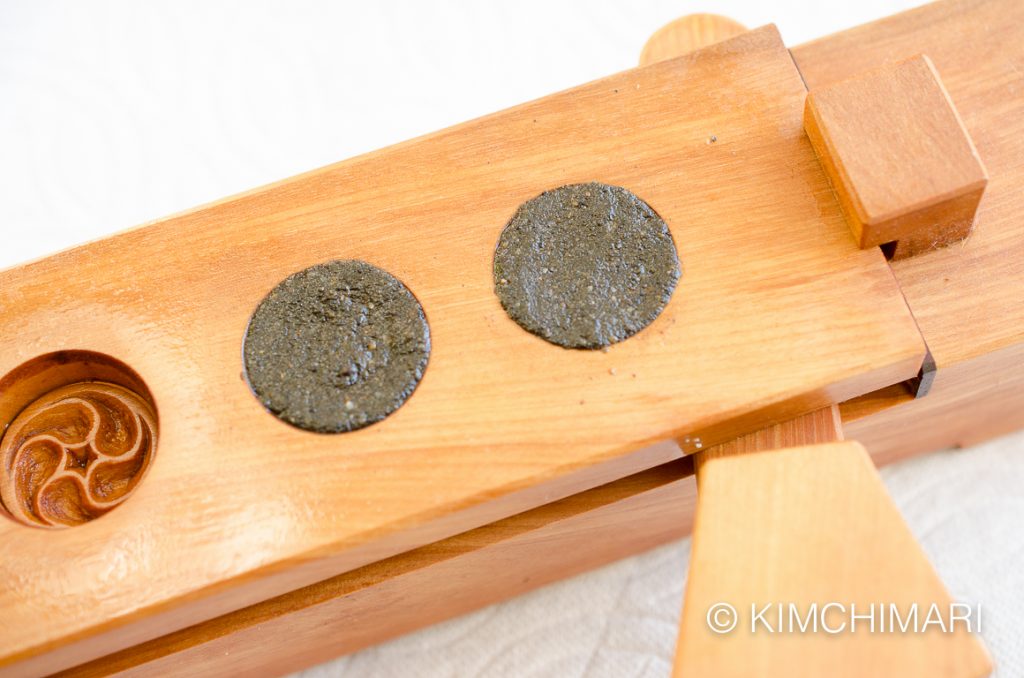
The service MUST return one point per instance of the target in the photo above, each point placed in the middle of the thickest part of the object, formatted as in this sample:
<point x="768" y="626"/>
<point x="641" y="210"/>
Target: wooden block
<point x="238" y="507"/>
<point x="904" y="168"/>
<point x="966" y="298"/>
<point x="811" y="526"/>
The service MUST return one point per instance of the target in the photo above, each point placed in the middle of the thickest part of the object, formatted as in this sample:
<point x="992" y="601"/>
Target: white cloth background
<point x="115" y="113"/>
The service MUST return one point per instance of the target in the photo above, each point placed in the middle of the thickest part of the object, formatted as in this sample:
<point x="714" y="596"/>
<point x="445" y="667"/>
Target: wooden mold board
<point x="777" y="313"/>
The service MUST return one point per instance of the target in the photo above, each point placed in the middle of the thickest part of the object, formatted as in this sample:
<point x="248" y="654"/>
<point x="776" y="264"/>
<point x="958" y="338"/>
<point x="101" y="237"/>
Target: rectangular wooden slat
<point x="432" y="583"/>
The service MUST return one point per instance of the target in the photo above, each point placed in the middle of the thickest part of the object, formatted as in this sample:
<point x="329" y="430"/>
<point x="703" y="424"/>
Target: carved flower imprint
<point x="75" y="453"/>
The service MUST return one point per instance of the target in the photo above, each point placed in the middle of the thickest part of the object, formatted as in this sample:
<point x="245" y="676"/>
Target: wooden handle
<point x="807" y="526"/>
<point x="687" y="34"/>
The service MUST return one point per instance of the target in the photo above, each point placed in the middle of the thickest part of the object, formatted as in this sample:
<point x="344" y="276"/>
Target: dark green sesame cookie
<point x="336" y="347"/>
<point x="585" y="266"/>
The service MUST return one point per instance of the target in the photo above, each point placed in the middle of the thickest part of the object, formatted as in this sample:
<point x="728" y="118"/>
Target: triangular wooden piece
<point x="803" y="526"/>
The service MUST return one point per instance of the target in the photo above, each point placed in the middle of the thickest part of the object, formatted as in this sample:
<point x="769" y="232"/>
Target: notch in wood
<point x="902" y="163"/>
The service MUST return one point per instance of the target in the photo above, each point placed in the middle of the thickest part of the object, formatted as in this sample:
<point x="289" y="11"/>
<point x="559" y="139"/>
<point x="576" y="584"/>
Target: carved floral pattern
<point x="75" y="453"/>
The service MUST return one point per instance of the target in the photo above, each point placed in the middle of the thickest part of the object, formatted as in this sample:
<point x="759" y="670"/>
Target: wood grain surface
<point x="966" y="298"/>
<point x="820" y="426"/>
<point x="238" y="507"/>
<point x="424" y="586"/>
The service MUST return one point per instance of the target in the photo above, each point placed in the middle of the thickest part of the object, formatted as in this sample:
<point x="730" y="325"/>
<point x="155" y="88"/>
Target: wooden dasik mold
<point x="508" y="441"/>
<point x="779" y="312"/>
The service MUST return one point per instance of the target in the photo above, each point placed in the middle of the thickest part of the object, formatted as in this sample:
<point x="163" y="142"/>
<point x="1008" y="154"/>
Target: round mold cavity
<point x="78" y="432"/>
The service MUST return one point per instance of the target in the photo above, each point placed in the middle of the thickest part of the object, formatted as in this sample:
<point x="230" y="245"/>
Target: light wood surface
<point x="820" y="426"/>
<point x="267" y="641"/>
<point x="424" y="586"/>
<point x="687" y="34"/>
<point x="904" y="168"/>
<point x="803" y="526"/>
<point x="966" y="297"/>
<point x="979" y="390"/>
<point x="238" y="507"/>
<point x="263" y="638"/>
<point x="978" y="403"/>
